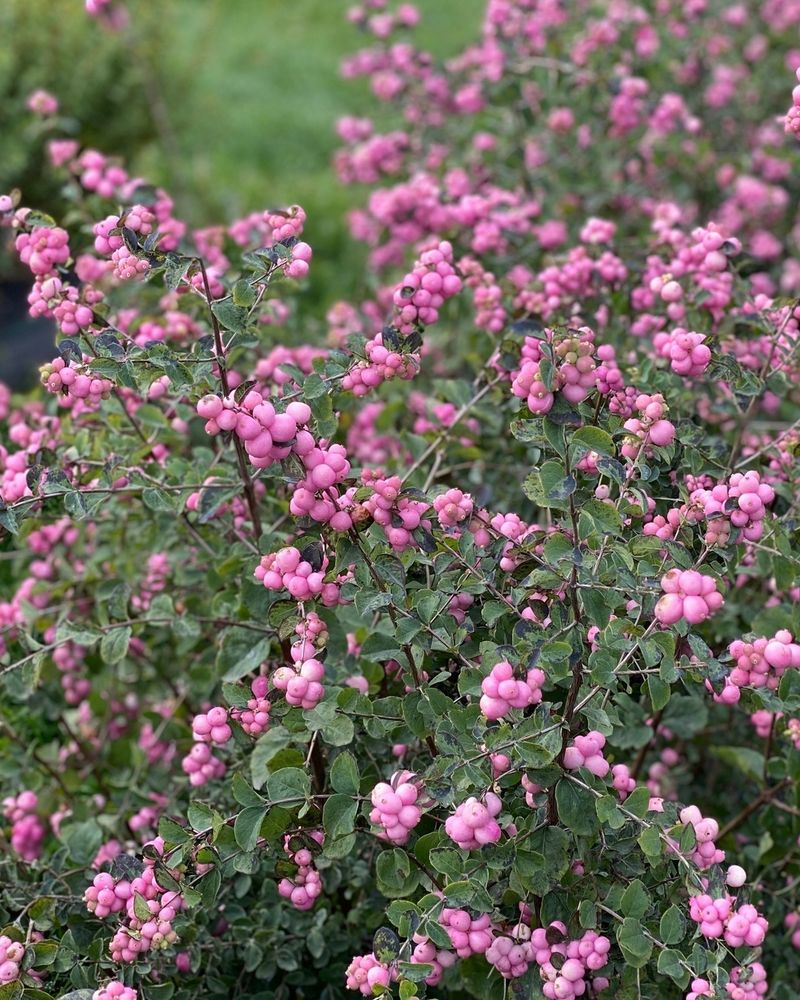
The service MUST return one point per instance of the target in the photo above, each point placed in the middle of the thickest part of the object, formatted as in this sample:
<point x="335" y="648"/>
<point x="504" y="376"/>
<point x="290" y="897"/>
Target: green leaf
<point x="672" y="928"/>
<point x="587" y="914"/>
<point x="658" y="691"/>
<point x="208" y="886"/>
<point x="82" y="840"/>
<point x="275" y="739"/>
<point x="650" y="842"/>
<point x="635" y="901"/>
<point x="243" y="294"/>
<point x="408" y="990"/>
<point x="588" y="439"/>
<point x="243" y="793"/>
<point x="576" y="808"/>
<point x="44" y="952"/>
<point x="81" y="635"/>
<point x="396" y="877"/>
<point x="605" y="516"/>
<point x="339" y="731"/>
<point x="288" y="783"/>
<point x="75" y="505"/>
<point x="114" y="645"/>
<point x="385" y="945"/>
<point x="638" y="802"/>
<point x="172" y="832"/>
<point x="338" y="821"/>
<point x="41" y="912"/>
<point x="241" y="652"/>
<point x="140" y="908"/>
<point x="550" y="486"/>
<point x="344" y="774"/>
<point x="232" y="317"/>
<point x="608" y="812"/>
<point x="467" y="893"/>
<point x="635" y="947"/>
<point x="669" y="964"/>
<point x="314" y="387"/>
<point x="686" y="715"/>
<point x="200" y="816"/>
<point x="247" y="826"/>
<point x="414" y="971"/>
<point x="159" y="501"/>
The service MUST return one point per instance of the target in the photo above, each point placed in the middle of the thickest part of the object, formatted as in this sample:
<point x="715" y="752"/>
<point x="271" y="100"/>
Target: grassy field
<point x="253" y="113"/>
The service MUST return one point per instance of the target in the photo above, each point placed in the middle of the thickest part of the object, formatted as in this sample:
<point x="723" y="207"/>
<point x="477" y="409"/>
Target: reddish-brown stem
<point x="241" y="458"/>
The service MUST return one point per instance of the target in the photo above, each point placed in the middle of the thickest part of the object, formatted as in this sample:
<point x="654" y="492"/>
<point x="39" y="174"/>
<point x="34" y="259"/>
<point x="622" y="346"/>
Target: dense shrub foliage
<point x="445" y="645"/>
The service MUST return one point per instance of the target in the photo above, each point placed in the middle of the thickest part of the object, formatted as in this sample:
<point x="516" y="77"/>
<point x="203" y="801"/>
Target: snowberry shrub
<point x="452" y="650"/>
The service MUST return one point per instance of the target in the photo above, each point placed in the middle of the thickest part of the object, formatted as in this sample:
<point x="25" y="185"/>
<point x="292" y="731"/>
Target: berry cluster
<point x="762" y="662"/>
<point x="741" y="503"/>
<point x="105" y="896"/>
<point x="685" y="350"/>
<point x="622" y="781"/>
<point x="568" y="976"/>
<point x="649" y="428"/>
<point x="268" y="436"/>
<point x="398" y="515"/>
<point x="587" y="751"/>
<point x="71" y="308"/>
<point x="27" y="830"/>
<point x="718" y="918"/>
<point x="212" y="727"/>
<point x="424" y="290"/>
<point x="301" y="682"/>
<point x="115" y="990"/>
<point x="75" y="380"/>
<point x="452" y="507"/>
<point x="201" y="765"/>
<point x="138" y="935"/>
<point x="305" y="884"/>
<point x="502" y="691"/>
<point x="43" y="249"/>
<point x="687" y="594"/>
<point x="473" y="824"/>
<point x="426" y="953"/>
<point x="365" y="973"/>
<point x="316" y="496"/>
<point x="748" y="982"/>
<point x="705" y="853"/>
<point x="468" y="935"/>
<point x="511" y="956"/>
<point x="386" y="356"/>
<point x="287" y="569"/>
<point x="396" y="807"/>
<point x="571" y="365"/>
<point x="791" y="122"/>
<point x="129" y="898"/>
<point x="11" y="955"/>
<point x="254" y="719"/>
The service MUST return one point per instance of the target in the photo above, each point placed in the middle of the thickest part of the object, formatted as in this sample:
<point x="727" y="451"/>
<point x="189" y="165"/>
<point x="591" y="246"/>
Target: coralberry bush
<point x="446" y="645"/>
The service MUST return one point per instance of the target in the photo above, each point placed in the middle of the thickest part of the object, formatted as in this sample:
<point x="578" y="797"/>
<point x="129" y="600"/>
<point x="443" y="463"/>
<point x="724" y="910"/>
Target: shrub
<point x="315" y="680"/>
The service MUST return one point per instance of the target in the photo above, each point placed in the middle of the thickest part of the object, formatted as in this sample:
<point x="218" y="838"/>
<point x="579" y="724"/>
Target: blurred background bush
<point x="231" y="106"/>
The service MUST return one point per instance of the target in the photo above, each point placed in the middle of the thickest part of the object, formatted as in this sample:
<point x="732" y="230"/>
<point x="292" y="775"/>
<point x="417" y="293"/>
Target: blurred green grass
<point x="230" y="105"/>
<point x="254" y="113"/>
